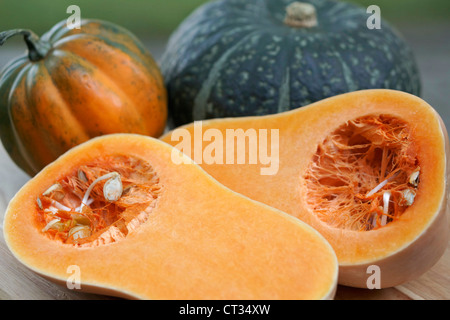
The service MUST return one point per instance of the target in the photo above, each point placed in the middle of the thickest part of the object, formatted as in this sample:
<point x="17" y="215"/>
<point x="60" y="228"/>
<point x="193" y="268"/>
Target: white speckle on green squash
<point x="203" y="68"/>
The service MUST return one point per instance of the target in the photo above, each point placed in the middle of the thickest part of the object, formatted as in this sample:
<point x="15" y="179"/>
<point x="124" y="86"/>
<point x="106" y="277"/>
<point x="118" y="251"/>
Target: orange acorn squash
<point x="369" y="170"/>
<point x="75" y="84"/>
<point x="118" y="212"/>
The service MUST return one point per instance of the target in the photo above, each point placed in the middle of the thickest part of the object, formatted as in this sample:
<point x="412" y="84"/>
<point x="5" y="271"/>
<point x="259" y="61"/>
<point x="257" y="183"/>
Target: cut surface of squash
<point x="368" y="169"/>
<point x="138" y="225"/>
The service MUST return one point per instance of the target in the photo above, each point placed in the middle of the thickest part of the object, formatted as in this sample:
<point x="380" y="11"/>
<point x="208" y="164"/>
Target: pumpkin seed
<point x="39" y="203"/>
<point x="51" y="210"/>
<point x="53" y="188"/>
<point x="115" y="188"/>
<point x="408" y="196"/>
<point x="79" y="232"/>
<point x="374" y="220"/>
<point x="414" y="178"/>
<point x="81" y="219"/>
<point x="82" y="176"/>
<point x="112" y="190"/>
<point x="54" y="224"/>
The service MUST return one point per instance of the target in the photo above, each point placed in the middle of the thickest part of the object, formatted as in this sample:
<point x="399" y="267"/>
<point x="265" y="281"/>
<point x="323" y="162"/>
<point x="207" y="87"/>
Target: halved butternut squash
<point x="369" y="170"/>
<point x="133" y="223"/>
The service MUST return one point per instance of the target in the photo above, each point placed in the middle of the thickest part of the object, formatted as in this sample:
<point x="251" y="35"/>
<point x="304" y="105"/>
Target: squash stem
<point x="37" y="49"/>
<point x="301" y="15"/>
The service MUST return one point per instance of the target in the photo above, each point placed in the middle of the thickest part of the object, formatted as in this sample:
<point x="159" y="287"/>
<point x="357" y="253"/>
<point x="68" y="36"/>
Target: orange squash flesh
<point x="412" y="238"/>
<point x="199" y="239"/>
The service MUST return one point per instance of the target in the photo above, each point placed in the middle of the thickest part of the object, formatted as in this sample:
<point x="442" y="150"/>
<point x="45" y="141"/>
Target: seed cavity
<point x="100" y="203"/>
<point x="364" y="175"/>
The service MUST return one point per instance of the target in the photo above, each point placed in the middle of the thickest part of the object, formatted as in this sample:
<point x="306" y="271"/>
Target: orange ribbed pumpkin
<point x="75" y="84"/>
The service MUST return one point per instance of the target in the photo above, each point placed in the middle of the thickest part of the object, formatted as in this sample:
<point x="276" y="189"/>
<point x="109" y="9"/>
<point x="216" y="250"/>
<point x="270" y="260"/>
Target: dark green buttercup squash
<point x="253" y="57"/>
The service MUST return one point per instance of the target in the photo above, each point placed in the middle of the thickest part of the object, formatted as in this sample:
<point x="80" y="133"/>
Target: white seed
<point x="112" y="190"/>
<point x="408" y="196"/>
<point x="79" y="232"/>
<point x="51" y="210"/>
<point x="81" y="219"/>
<point x="55" y="187"/>
<point x="374" y="220"/>
<point x="39" y="203"/>
<point x="51" y="225"/>
<point x="82" y="176"/>
<point x="111" y="176"/>
<point x="414" y="178"/>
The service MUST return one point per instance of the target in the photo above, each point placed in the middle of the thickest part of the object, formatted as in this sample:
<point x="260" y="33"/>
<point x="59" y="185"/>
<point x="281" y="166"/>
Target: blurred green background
<point x="160" y="17"/>
<point x="425" y="25"/>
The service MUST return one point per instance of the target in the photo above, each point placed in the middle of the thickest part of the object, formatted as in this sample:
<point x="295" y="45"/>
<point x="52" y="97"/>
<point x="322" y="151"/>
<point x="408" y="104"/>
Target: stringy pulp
<point x="99" y="203"/>
<point x="364" y="175"/>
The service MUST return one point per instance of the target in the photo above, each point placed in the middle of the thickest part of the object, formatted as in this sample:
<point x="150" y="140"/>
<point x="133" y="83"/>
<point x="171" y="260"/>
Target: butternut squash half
<point x="125" y="218"/>
<point x="369" y="170"/>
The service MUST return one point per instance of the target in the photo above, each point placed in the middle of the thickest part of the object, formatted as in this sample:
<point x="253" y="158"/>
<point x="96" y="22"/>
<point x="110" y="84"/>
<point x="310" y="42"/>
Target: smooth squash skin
<point x="404" y="248"/>
<point x="201" y="240"/>
<point x="75" y="84"/>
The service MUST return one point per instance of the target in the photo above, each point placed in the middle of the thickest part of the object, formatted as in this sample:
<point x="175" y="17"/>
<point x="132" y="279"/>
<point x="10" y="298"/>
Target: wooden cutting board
<point x="17" y="282"/>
